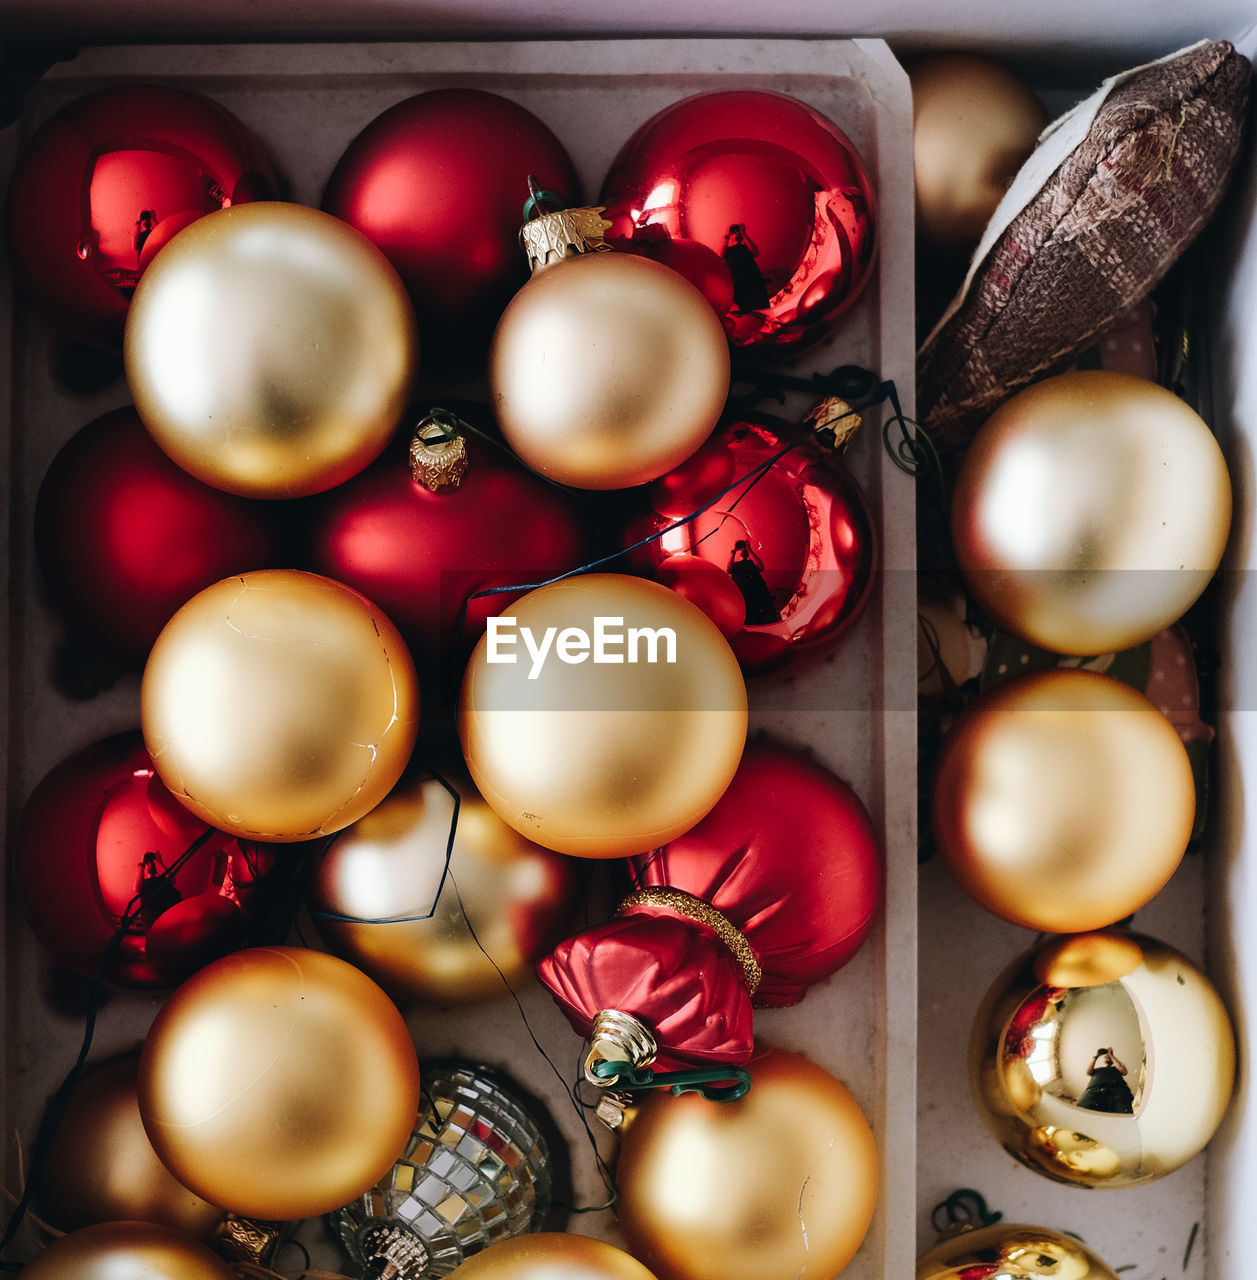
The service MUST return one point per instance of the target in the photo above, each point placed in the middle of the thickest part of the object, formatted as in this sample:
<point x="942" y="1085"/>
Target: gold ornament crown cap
<point x="548" y="238"/>
<point x="438" y="452"/>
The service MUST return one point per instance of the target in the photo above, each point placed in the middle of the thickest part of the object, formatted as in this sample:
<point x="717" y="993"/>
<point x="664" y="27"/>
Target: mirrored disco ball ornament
<point x="475" y="1171"/>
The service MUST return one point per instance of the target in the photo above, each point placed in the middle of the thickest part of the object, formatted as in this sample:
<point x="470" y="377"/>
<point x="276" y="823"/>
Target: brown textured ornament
<point x="1012" y="1251"/>
<point x="131" y="1249"/>
<point x="553" y="1255"/>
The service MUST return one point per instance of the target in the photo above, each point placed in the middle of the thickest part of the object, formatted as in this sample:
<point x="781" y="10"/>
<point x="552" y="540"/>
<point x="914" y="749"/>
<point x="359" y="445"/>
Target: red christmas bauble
<point x="438" y="182"/>
<point x="797" y="543"/>
<point x="421" y="555"/>
<point x="125" y="537"/>
<point x="99" y="830"/>
<point x="769" y="185"/>
<point x="106" y="177"/>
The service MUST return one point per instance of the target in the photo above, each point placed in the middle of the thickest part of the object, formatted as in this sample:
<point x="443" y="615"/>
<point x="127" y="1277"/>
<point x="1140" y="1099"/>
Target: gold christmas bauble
<point x="608" y="369"/>
<point x="553" y="1255"/>
<point x="778" y="1185"/>
<point x="1102" y="1059"/>
<point x="133" y="1250"/>
<point x="101" y="1167"/>
<point x="279" y="1082"/>
<point x="496" y="911"/>
<point x="1012" y="1251"/>
<point x="279" y="705"/>
<point x="603" y="756"/>
<point x="974" y="124"/>
<point x="1090" y="512"/>
<point x="270" y="350"/>
<point x="1063" y="800"/>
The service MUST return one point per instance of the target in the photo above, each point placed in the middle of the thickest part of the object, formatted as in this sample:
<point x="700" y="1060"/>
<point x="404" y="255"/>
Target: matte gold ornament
<point x="270" y="350"/>
<point x="131" y="1249"/>
<point x="510" y="892"/>
<point x="101" y="1166"/>
<point x="553" y="1255"/>
<point x="279" y="1082"/>
<point x="1103" y="1059"/>
<point x="607" y="369"/>
<point x="1063" y="801"/>
<point x="1012" y="1251"/>
<point x="778" y="1185"/>
<point x="1090" y="512"/>
<point x="974" y="125"/>
<point x="279" y="705"/>
<point x="603" y="758"/>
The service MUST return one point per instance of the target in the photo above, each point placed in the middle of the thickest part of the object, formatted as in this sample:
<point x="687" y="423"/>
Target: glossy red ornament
<point x="107" y="175"/>
<point x="789" y="857"/>
<point x="770" y="186"/>
<point x="438" y="183"/>
<point x="98" y="830"/>
<point x="125" y="537"/>
<point x="797" y="544"/>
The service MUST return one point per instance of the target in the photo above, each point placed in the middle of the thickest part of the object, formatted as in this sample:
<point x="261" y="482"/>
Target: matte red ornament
<point x="98" y="831"/>
<point x="107" y="174"/>
<point x="796" y="544"/>
<point x="789" y="857"/>
<point x="770" y="186"/>
<point x="125" y="537"/>
<point x="438" y="183"/>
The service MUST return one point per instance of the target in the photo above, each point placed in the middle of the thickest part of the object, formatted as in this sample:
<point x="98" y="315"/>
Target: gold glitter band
<point x="692" y="908"/>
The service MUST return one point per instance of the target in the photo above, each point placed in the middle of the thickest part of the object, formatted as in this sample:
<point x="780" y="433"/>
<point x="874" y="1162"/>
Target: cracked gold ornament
<point x="1102" y="1059"/>
<point x="1012" y="1251"/>
<point x="279" y="705"/>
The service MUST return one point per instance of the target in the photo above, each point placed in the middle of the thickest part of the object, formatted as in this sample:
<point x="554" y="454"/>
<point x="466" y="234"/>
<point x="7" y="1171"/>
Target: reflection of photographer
<point x="1107" y="1089"/>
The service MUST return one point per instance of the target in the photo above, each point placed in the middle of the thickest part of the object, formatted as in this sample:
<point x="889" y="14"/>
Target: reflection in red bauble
<point x="107" y="178"/>
<point x="796" y="545"/>
<point x="125" y="537"/>
<point x="768" y="185"/>
<point x="438" y="183"/>
<point x="100" y="829"/>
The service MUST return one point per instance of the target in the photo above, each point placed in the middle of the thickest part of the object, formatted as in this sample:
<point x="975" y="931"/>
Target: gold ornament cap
<point x="548" y="238"/>
<point x="834" y="417"/>
<point x="438" y="453"/>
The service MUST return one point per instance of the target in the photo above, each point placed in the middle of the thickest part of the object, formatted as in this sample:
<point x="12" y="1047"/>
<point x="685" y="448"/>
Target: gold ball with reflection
<point x="270" y="350"/>
<point x="131" y="1249"/>
<point x="1090" y="512"/>
<point x="279" y="1082"/>
<point x="279" y="705"/>
<point x="1063" y="800"/>
<point x="608" y="369"/>
<point x="1102" y="1059"/>
<point x="780" y="1184"/>
<point x="553" y="1255"/>
<point x="392" y="863"/>
<point x="1013" y="1250"/>
<point x="101" y="1167"/>
<point x="603" y="758"/>
<point x="974" y="125"/>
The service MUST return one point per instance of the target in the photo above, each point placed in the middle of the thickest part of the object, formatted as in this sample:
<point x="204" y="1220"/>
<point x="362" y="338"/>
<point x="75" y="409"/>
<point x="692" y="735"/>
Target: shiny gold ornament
<point x="603" y="758"/>
<point x="1012" y="1251"/>
<point x="279" y="1082"/>
<point x="974" y="125"/>
<point x="553" y="1255"/>
<point x="392" y="863"/>
<point x="279" y="705"/>
<point x="101" y="1167"/>
<point x="607" y="369"/>
<point x="1063" y="800"/>
<point x="1102" y="1059"/>
<point x="270" y="350"/>
<point x="126" y="1249"/>
<point x="1090" y="512"/>
<point x="778" y="1185"/>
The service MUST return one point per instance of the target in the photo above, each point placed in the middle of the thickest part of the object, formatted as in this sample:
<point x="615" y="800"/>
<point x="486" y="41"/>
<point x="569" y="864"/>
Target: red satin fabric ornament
<point x="768" y="185"/>
<point x="789" y="857"/>
<point x="103" y="177"/>
<point x="125" y="537"/>
<point x="97" y="830"/>
<point x="796" y="545"/>
<point x="438" y="183"/>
